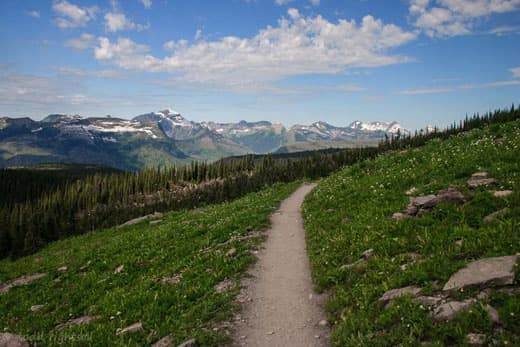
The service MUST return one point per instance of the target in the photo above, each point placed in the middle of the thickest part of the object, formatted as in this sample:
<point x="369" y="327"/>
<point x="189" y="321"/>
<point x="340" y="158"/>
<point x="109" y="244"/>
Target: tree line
<point x="85" y="203"/>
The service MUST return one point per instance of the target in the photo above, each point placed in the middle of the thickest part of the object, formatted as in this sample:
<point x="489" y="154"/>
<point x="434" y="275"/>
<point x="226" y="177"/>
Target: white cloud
<point x="85" y="41"/>
<point x="69" y="71"/>
<point x="282" y="2"/>
<point x="516" y="72"/>
<point x="72" y="16"/>
<point x="34" y="14"/>
<point x="146" y="3"/>
<point x="426" y="91"/>
<point x="116" y="21"/>
<point x="442" y="18"/>
<point x="315" y="2"/>
<point x="296" y="46"/>
<point x="198" y="35"/>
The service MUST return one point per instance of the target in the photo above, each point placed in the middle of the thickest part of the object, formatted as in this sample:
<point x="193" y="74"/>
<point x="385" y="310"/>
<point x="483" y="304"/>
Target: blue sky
<point x="291" y="61"/>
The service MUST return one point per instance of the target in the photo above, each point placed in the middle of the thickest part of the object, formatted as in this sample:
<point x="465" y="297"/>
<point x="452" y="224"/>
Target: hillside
<point x="374" y="227"/>
<point x="176" y="275"/>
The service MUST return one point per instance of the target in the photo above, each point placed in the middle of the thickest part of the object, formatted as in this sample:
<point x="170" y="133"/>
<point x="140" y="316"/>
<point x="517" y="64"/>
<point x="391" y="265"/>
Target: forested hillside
<point x="418" y="247"/>
<point x="104" y="200"/>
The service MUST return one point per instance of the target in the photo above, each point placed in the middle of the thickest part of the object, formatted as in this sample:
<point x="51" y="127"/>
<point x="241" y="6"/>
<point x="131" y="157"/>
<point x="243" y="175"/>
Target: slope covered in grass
<point x="350" y="212"/>
<point x="188" y="247"/>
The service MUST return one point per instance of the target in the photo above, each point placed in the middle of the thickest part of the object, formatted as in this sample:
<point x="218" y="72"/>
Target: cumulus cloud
<point x="442" y="18"/>
<point x="298" y="45"/>
<point x="516" y="72"/>
<point x="85" y="41"/>
<point x="72" y="16"/>
<point x="146" y="3"/>
<point x="117" y="21"/>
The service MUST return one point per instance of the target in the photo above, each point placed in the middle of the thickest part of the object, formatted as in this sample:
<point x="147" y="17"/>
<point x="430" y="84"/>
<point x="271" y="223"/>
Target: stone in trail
<point x="20" y="281"/>
<point x="487" y="271"/>
<point x="282" y="311"/>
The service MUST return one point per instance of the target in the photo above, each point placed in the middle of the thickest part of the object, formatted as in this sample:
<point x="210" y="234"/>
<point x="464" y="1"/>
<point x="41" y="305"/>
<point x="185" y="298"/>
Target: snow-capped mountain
<point x="162" y="138"/>
<point x="173" y="124"/>
<point x="322" y="131"/>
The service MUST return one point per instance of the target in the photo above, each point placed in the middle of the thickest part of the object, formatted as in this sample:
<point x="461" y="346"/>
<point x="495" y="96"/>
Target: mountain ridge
<point x="165" y="137"/>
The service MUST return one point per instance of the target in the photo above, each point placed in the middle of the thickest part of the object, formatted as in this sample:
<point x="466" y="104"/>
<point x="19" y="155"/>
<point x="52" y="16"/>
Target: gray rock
<point x="77" y="321"/>
<point x="474" y="183"/>
<point x="450" y="195"/>
<point x="493" y="314"/>
<point x="20" y="281"/>
<point x="481" y="174"/>
<point x="63" y="269"/>
<point x="496" y="271"/>
<point x="155" y="222"/>
<point x="449" y="310"/>
<point x="231" y="252"/>
<point x="36" y="308"/>
<point x="166" y="341"/>
<point x="502" y="193"/>
<point x="491" y="217"/>
<point x="140" y="219"/>
<point x="119" y="269"/>
<point x="428" y="300"/>
<point x="399" y="216"/>
<point x="131" y="329"/>
<point x="367" y="254"/>
<point x="12" y="340"/>
<point x="396" y="293"/>
<point x="476" y="339"/>
<point x="420" y="201"/>
<point x="189" y="343"/>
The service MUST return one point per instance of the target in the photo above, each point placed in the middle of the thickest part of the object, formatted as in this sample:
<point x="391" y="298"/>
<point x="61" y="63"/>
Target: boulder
<point x="449" y="310"/>
<point x="488" y="271"/>
<point x="189" y="343"/>
<point x="20" y="281"/>
<point x="396" y="293"/>
<point x="491" y="217"/>
<point x="12" y="340"/>
<point x="450" y="195"/>
<point x="420" y="201"/>
<point x="166" y="341"/>
<point x="130" y="329"/>
<point x="480" y="179"/>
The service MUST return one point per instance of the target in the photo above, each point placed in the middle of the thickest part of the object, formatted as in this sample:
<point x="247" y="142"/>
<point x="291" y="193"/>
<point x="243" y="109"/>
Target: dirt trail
<point x="281" y="307"/>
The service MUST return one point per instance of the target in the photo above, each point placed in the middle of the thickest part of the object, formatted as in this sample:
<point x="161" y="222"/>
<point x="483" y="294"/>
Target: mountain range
<point x="165" y="138"/>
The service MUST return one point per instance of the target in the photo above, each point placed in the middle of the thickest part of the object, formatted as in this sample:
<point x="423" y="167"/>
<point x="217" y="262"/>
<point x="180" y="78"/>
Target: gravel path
<point x="280" y="307"/>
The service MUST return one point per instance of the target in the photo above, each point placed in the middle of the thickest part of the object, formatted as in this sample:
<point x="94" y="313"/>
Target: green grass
<point x="189" y="309"/>
<point x="349" y="212"/>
